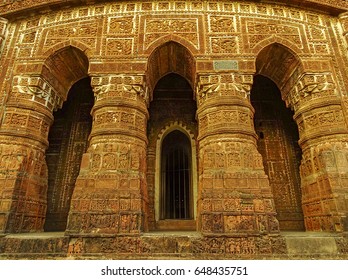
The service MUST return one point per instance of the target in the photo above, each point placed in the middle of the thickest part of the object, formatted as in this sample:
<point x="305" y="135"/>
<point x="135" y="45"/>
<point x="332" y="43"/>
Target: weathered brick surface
<point x="249" y="177"/>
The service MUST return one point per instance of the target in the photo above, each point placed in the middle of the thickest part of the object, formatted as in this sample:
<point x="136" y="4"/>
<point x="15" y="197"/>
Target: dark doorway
<point x="278" y="145"/>
<point x="176" y="190"/>
<point x="68" y="140"/>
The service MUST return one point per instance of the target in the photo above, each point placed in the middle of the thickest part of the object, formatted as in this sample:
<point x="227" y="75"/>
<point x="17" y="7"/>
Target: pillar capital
<point x="309" y="88"/>
<point x="35" y="88"/>
<point x="124" y="86"/>
<point x="212" y="85"/>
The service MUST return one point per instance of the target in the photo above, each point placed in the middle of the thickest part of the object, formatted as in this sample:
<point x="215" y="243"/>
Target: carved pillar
<point x="23" y="141"/>
<point x="344" y="22"/>
<point x="3" y="25"/>
<point x="324" y="141"/>
<point x="110" y="193"/>
<point x="235" y="195"/>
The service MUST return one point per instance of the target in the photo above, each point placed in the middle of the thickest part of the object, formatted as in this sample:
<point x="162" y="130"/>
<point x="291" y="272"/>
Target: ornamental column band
<point x="3" y="26"/>
<point x="110" y="193"/>
<point x="23" y="141"/>
<point x="235" y="195"/>
<point x="321" y="116"/>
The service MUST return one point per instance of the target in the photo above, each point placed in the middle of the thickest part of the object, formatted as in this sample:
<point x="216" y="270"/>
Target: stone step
<point x="176" y="225"/>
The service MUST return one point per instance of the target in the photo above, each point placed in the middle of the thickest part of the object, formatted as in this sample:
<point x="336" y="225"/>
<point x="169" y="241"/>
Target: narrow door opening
<point x="176" y="190"/>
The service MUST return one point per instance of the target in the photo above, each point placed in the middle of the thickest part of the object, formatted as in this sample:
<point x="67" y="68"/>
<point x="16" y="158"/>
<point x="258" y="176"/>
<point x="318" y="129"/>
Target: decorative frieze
<point x="259" y="30"/>
<point x="156" y="28"/>
<point x="215" y="85"/>
<point x="128" y="87"/>
<point x="311" y="86"/>
<point x="36" y="89"/>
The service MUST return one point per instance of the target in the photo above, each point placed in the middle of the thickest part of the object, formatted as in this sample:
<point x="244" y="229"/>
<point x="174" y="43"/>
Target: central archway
<point x="172" y="167"/>
<point x="172" y="130"/>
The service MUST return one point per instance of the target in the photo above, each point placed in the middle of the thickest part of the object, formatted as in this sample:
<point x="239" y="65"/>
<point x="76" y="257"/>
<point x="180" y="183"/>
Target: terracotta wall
<point x="219" y="47"/>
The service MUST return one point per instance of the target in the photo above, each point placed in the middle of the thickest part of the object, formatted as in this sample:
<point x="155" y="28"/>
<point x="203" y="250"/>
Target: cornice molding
<point x="13" y="9"/>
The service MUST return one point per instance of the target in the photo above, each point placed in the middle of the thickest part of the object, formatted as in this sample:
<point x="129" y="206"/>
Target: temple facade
<point x="122" y="121"/>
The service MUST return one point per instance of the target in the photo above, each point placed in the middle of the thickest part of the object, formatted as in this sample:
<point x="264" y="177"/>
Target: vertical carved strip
<point x="3" y="26"/>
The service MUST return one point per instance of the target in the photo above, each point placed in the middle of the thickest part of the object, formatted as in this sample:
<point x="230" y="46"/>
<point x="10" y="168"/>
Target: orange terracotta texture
<point x="266" y="109"/>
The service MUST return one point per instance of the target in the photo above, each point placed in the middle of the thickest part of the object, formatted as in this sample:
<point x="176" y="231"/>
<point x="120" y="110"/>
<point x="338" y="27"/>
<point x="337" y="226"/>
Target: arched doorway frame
<point x="285" y="76"/>
<point x="168" y="129"/>
<point x="178" y="57"/>
<point x="73" y="58"/>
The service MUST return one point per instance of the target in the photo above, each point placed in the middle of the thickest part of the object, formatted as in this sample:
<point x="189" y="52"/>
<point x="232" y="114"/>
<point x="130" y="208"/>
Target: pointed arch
<point x="64" y="67"/>
<point x="170" y="57"/>
<point x="68" y="43"/>
<point x="172" y="38"/>
<point x="274" y="39"/>
<point x="280" y="64"/>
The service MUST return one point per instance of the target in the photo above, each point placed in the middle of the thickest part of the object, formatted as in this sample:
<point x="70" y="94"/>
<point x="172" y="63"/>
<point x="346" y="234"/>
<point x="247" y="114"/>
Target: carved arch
<point x="275" y="39"/>
<point x="64" y="67"/>
<point x="68" y="43"/>
<point x="280" y="64"/>
<point x="170" y="57"/>
<point x="172" y="38"/>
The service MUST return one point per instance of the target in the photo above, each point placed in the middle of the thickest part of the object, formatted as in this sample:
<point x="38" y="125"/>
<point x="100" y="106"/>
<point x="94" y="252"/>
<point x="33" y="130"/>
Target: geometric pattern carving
<point x="38" y="90"/>
<point x="310" y="87"/>
<point x="185" y="28"/>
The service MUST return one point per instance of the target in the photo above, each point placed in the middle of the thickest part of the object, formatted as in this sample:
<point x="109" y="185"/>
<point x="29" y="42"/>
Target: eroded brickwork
<point x="125" y="49"/>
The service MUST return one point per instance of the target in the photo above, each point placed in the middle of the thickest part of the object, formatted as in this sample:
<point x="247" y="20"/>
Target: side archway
<point x="277" y="70"/>
<point x="27" y="120"/>
<point x="67" y="70"/>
